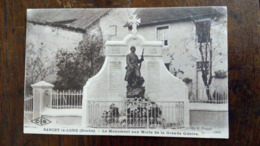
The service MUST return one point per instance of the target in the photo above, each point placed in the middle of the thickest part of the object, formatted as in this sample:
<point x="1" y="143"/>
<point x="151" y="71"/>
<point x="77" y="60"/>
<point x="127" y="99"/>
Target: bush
<point x="187" y="80"/>
<point x="220" y="74"/>
<point x="75" y="68"/>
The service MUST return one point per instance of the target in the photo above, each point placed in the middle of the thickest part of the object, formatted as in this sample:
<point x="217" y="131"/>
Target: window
<point x="203" y="31"/>
<point x="162" y="34"/>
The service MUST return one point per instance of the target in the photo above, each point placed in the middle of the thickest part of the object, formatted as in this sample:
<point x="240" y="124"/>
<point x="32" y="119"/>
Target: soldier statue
<point x="132" y="62"/>
<point x="133" y="74"/>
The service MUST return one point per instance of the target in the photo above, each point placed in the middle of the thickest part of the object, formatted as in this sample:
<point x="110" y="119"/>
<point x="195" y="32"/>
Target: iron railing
<point x="28" y="104"/>
<point x="134" y="113"/>
<point x="213" y="97"/>
<point x="66" y="100"/>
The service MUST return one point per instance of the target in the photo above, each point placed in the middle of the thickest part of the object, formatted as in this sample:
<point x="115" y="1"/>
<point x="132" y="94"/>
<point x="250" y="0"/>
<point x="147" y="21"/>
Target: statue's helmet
<point x="132" y="48"/>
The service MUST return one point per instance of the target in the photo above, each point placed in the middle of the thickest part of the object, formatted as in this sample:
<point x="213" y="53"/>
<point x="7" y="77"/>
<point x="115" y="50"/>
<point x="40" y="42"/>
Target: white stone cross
<point x="134" y="21"/>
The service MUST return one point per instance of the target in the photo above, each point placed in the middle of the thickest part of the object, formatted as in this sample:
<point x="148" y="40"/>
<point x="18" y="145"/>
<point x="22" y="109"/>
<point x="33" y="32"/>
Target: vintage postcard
<point x="127" y="71"/>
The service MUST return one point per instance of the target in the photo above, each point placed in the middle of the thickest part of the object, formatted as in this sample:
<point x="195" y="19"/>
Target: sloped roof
<point x="42" y="84"/>
<point x="78" y="19"/>
<point x="162" y="15"/>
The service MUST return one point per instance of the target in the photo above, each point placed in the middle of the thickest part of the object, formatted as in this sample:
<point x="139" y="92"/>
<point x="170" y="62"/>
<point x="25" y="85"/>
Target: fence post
<point x="39" y="103"/>
<point x="51" y="98"/>
<point x="147" y="114"/>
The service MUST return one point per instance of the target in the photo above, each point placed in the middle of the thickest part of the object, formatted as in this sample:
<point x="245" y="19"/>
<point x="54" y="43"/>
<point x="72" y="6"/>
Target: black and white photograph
<point x="127" y="71"/>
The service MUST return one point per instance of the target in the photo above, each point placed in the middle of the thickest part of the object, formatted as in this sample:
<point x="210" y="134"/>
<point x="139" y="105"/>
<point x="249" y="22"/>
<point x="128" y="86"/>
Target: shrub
<point x="220" y="74"/>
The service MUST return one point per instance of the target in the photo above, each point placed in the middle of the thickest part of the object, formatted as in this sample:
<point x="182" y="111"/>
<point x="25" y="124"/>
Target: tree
<point x="208" y="54"/>
<point x="90" y="52"/>
<point x="36" y="68"/>
<point x="205" y="49"/>
<point x="75" y="68"/>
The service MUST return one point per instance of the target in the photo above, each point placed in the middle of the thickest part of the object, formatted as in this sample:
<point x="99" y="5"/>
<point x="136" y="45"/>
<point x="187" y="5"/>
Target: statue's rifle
<point x="142" y="57"/>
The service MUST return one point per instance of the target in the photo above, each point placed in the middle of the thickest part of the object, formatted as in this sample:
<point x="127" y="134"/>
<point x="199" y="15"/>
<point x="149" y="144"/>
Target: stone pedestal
<point x="42" y="92"/>
<point x="109" y="85"/>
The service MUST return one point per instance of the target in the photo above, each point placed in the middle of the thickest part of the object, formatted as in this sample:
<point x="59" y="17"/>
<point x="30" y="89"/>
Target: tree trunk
<point x="208" y="93"/>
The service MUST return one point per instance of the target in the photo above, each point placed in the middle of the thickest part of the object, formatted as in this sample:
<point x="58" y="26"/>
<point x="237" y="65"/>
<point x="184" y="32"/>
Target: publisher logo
<point x="41" y="121"/>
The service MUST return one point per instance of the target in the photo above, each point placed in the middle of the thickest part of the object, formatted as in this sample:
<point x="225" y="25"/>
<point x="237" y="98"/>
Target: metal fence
<point x="66" y="100"/>
<point x="73" y="100"/>
<point x="214" y="98"/>
<point x="135" y="113"/>
<point x="28" y="104"/>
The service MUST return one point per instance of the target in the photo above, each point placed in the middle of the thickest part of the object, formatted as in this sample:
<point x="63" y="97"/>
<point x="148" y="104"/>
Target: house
<point x="176" y="29"/>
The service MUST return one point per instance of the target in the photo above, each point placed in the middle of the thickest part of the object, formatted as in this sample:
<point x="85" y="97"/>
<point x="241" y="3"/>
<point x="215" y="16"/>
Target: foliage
<point x="187" y="80"/>
<point x="220" y="74"/>
<point x="112" y="115"/>
<point x="139" y="111"/>
<point x="176" y="72"/>
<point x="75" y="68"/>
<point x="36" y="69"/>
